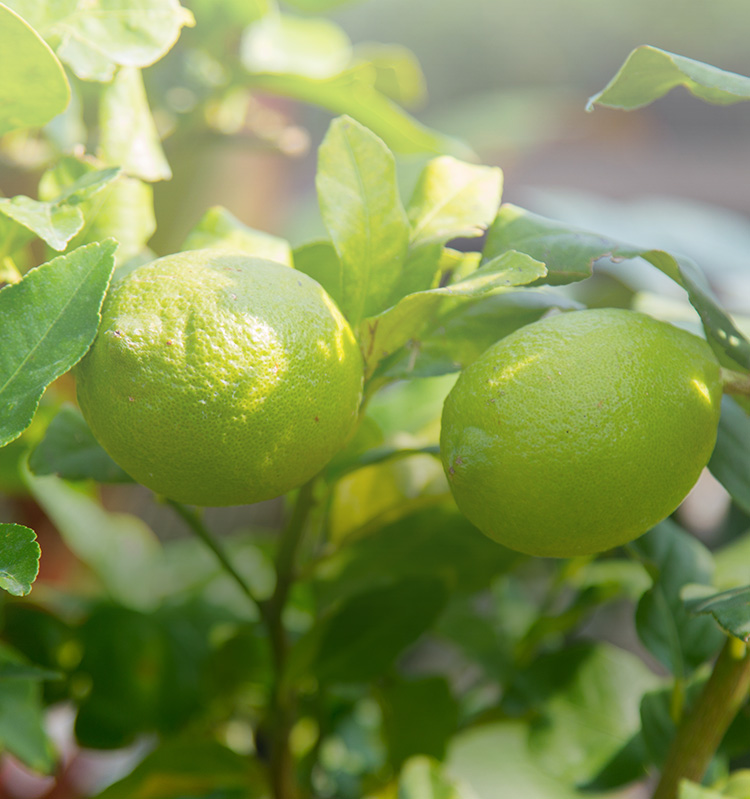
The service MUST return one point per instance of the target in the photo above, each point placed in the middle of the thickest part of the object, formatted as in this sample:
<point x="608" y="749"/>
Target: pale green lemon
<point x="220" y="379"/>
<point x="580" y="432"/>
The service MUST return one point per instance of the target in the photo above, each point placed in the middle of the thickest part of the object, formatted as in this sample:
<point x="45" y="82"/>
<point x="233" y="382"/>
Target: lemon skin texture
<point x="220" y="379"/>
<point x="580" y="432"/>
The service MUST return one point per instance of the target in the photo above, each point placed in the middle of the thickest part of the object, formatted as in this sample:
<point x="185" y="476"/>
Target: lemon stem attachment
<point x="702" y="728"/>
<point x="735" y="382"/>
<point x="195" y="523"/>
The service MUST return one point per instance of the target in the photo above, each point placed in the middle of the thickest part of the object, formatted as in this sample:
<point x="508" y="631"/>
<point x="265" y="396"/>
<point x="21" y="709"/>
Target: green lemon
<point x="580" y="432"/>
<point x="220" y="379"/>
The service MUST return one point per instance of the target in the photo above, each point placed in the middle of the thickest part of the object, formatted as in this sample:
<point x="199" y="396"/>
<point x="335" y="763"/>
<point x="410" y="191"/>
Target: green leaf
<point x="359" y="639"/>
<point x="319" y="260"/>
<point x="317" y="6"/>
<point x="34" y="88"/>
<point x="19" y="558"/>
<point x="10" y="670"/>
<point x="398" y="72"/>
<point x="353" y="92"/>
<point x="128" y="134"/>
<point x="419" y="718"/>
<point x="69" y="450"/>
<point x="730" y="460"/>
<point x="48" y="321"/>
<point x="423" y="778"/>
<point x="219" y="228"/>
<point x="119" y="548"/>
<point x="97" y="35"/>
<point x="570" y="253"/>
<point x="649" y="73"/>
<point x="678" y="640"/>
<point x="22" y="719"/>
<point x="453" y="199"/>
<point x="692" y="790"/>
<point x="384" y="334"/>
<point x="54" y="223"/>
<point x="280" y="44"/>
<point x="361" y="207"/>
<point x="627" y="765"/>
<point x="74" y="182"/>
<point x="191" y="768"/>
<point x="730" y="609"/>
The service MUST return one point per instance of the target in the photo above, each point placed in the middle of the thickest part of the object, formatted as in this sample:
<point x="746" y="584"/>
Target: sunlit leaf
<point x="54" y="223"/>
<point x="47" y="322"/>
<point x="19" y="559"/>
<point x="649" y="73"/>
<point x="128" y="136"/>
<point x="33" y="88"/>
<point x="219" y="228"/>
<point x="361" y="207"/>
<point x="423" y="778"/>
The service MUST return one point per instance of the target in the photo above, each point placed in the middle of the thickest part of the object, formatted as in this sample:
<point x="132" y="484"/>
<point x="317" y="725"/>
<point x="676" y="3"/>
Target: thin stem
<point x="195" y="523"/>
<point x="735" y="382"/>
<point x="702" y="728"/>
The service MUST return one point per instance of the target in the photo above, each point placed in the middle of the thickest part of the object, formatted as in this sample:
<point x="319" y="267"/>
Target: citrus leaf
<point x="128" y="134"/>
<point x="69" y="450"/>
<point x="97" y="35"/>
<point x="730" y="460"/>
<point x="319" y="260"/>
<point x="453" y="199"/>
<point x="387" y="332"/>
<point x="649" y="73"/>
<point x="54" y="223"/>
<point x="692" y="790"/>
<point x="58" y="185"/>
<point x="424" y="778"/>
<point x="730" y="609"/>
<point x="361" y="207"/>
<point x="219" y="228"/>
<point x="677" y="639"/>
<point x="570" y="253"/>
<point x="47" y="322"/>
<point x="34" y="88"/>
<point x="11" y="670"/>
<point x="353" y="92"/>
<point x="19" y="558"/>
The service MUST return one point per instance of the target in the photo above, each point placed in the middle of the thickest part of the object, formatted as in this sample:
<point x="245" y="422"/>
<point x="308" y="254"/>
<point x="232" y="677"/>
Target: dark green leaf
<point x="627" y="765"/>
<point x="48" y="321"/>
<point x="219" y="228"/>
<point x="362" y="637"/>
<point x="191" y="768"/>
<point x="319" y="260"/>
<point x="384" y="334"/>
<point x="19" y="558"/>
<point x="10" y="670"/>
<point x="128" y="136"/>
<point x="70" y="451"/>
<point x="657" y="725"/>
<point x="677" y="639"/>
<point x="649" y="73"/>
<point x="419" y="718"/>
<point x="730" y="609"/>
<point x="33" y="88"/>
<point x="730" y="461"/>
<point x="570" y="253"/>
<point x="359" y="201"/>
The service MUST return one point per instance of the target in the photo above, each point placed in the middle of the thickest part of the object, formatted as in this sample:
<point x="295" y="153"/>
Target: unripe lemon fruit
<point x="580" y="432"/>
<point x="220" y="379"/>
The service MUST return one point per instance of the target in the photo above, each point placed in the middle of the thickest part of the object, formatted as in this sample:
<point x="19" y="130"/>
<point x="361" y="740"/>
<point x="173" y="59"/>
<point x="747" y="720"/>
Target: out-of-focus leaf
<point x="649" y="73"/>
<point x="730" y="460"/>
<point x="658" y="728"/>
<point x="10" y="670"/>
<point x="219" y="228"/>
<point x="353" y="92"/>
<point x="119" y="548"/>
<point x="730" y="609"/>
<point x="33" y="88"/>
<point x="97" y="35"/>
<point x="283" y="44"/>
<point x="627" y="765"/>
<point x="319" y="260"/>
<point x="398" y="71"/>
<point x="72" y="183"/>
<point x="387" y="332"/>
<point x="423" y="778"/>
<point x="128" y="134"/>
<point x="419" y="716"/>
<point x="677" y="639"/>
<point x="570" y="253"/>
<point x="361" y="207"/>
<point x="69" y="450"/>
<point x="47" y="322"/>
<point x="19" y="558"/>
<point x="194" y="768"/>
<point x="21" y="718"/>
<point x="359" y="639"/>
<point x="317" y="6"/>
<point x="692" y="790"/>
